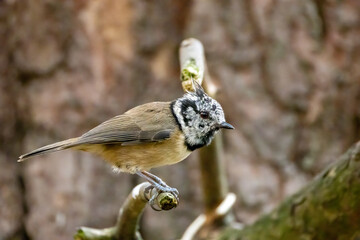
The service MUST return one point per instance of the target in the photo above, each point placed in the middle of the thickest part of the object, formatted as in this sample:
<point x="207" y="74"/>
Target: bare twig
<point x="221" y="211"/>
<point x="215" y="189"/>
<point x="85" y="233"/>
<point x="192" y="63"/>
<point x="126" y="227"/>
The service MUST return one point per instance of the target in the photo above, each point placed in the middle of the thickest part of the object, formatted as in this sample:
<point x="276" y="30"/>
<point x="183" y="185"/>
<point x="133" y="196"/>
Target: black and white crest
<point x="199" y="117"/>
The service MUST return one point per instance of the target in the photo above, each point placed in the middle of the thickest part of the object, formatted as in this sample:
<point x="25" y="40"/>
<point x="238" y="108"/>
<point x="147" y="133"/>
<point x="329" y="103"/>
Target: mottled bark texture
<point x="289" y="78"/>
<point x="290" y="85"/>
<point x="327" y="208"/>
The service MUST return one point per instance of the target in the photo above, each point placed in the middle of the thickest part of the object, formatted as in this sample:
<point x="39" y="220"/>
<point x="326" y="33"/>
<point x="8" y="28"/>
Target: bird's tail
<point x="50" y="148"/>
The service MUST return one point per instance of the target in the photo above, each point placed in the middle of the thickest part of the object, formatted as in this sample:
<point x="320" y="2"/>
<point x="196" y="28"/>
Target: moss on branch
<point x="126" y="227"/>
<point x="327" y="208"/>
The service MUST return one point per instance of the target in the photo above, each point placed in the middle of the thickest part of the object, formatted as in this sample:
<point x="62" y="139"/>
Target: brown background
<point x="289" y="76"/>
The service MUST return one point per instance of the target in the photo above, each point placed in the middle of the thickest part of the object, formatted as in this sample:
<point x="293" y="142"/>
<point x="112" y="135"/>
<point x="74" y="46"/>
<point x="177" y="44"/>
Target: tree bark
<point x="127" y="225"/>
<point x="327" y="208"/>
<point x="288" y="80"/>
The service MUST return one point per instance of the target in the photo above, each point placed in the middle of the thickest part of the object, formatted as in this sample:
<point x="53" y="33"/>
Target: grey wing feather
<point x="150" y="136"/>
<point x="130" y="129"/>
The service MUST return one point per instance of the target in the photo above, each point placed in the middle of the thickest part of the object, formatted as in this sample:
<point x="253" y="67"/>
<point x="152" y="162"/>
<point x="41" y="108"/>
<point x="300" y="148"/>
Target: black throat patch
<point x="205" y="141"/>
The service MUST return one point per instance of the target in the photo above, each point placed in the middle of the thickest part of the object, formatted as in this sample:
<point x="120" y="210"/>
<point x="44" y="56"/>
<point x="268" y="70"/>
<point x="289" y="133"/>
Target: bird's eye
<point x="204" y="115"/>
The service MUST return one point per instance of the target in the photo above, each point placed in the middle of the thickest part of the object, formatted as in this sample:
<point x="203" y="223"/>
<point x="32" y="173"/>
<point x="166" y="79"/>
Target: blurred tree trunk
<point x="289" y="76"/>
<point x="327" y="208"/>
<point x="290" y="85"/>
<point x="67" y="66"/>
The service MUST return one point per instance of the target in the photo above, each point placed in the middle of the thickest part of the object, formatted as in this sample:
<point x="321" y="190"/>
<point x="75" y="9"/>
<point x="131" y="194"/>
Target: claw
<point x="160" y="186"/>
<point x="152" y="202"/>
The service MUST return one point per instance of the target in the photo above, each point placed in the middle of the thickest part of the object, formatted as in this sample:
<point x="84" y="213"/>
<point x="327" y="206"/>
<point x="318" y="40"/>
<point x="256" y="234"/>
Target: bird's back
<point x="144" y="137"/>
<point x="159" y="140"/>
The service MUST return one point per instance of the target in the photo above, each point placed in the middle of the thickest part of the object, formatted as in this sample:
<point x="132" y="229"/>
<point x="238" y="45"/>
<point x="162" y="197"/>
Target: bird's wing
<point x="150" y="122"/>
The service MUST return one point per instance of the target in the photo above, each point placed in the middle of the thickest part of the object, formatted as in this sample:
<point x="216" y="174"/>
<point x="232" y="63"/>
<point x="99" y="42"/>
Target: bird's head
<point x="199" y="117"/>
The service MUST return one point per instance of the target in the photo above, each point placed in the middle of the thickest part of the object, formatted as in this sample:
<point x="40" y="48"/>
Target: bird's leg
<point x="159" y="184"/>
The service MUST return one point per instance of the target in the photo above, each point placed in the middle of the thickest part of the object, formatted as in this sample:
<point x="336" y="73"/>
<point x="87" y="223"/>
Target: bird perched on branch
<point x="151" y="135"/>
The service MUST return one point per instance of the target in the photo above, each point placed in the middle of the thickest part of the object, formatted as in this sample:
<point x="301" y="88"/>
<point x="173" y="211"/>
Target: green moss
<point x="328" y="208"/>
<point x="85" y="233"/>
<point x="190" y="71"/>
<point x="167" y="201"/>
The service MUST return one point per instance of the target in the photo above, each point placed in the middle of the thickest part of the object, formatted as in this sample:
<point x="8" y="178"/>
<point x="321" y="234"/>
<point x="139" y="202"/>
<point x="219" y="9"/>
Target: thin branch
<point x="215" y="187"/>
<point x="222" y="210"/>
<point x="126" y="227"/>
<point x="85" y="233"/>
<point x="192" y="62"/>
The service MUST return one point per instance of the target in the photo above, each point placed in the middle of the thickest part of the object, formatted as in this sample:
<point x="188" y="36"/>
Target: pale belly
<point x="143" y="157"/>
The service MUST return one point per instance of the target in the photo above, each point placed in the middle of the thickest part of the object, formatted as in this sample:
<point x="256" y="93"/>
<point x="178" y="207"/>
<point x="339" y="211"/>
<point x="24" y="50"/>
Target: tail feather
<point x="50" y="148"/>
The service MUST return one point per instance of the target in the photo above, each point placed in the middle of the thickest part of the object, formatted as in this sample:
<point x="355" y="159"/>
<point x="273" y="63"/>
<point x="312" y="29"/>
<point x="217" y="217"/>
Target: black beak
<point x="225" y="125"/>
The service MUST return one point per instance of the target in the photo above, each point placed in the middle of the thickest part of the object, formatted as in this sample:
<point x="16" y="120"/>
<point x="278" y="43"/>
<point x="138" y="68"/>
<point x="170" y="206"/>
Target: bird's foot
<point x="168" y="189"/>
<point x="160" y="186"/>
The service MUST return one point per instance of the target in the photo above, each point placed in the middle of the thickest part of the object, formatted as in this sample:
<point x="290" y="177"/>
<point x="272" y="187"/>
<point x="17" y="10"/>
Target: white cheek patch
<point x="191" y="130"/>
<point x="191" y="117"/>
<point x="188" y="125"/>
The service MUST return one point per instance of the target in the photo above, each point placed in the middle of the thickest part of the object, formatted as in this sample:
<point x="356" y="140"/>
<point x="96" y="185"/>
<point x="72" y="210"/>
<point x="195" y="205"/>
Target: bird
<point x="150" y="135"/>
